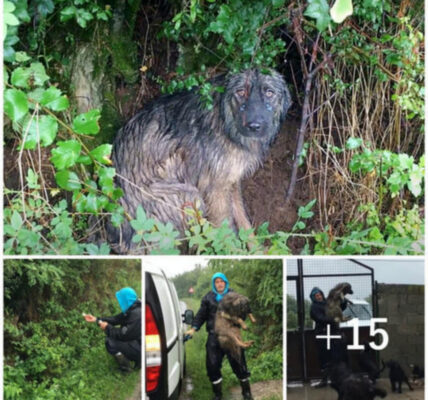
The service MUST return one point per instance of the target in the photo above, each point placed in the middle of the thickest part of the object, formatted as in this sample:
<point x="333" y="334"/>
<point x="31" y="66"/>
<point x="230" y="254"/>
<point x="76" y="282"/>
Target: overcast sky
<point x="399" y="270"/>
<point x="175" y="265"/>
<point x="408" y="271"/>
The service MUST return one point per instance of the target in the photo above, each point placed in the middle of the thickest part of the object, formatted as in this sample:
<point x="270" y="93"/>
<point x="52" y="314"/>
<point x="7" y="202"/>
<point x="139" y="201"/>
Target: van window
<point x="167" y="306"/>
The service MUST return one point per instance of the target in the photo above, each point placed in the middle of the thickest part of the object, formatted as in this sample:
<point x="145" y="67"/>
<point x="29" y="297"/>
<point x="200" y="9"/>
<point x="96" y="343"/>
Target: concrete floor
<point x="308" y="393"/>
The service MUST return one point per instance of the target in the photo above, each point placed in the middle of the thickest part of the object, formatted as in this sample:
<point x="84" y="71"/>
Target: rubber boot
<point x="324" y="379"/>
<point x="246" y="391"/>
<point x="217" y="391"/>
<point x="124" y="363"/>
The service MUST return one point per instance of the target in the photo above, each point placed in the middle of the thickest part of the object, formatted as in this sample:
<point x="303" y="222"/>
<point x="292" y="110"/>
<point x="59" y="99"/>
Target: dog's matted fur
<point x="335" y="298"/>
<point x="177" y="154"/>
<point x="231" y="313"/>
<point x="351" y="386"/>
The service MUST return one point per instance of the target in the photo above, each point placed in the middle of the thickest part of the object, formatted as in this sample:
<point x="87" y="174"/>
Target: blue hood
<point x="126" y="298"/>
<point x="314" y="291"/>
<point x="226" y="289"/>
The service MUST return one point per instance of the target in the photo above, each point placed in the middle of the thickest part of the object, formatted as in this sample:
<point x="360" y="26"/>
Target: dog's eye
<point x="269" y="93"/>
<point x="241" y="93"/>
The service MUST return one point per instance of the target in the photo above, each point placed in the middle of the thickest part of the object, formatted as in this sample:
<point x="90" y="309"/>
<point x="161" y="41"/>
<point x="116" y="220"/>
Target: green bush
<point x="50" y="351"/>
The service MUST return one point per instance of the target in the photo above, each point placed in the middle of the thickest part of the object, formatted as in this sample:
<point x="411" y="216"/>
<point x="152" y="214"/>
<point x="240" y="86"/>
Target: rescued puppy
<point x="367" y="363"/>
<point x="396" y="375"/>
<point x="335" y="298"/>
<point x="231" y="313"/>
<point x="350" y="386"/>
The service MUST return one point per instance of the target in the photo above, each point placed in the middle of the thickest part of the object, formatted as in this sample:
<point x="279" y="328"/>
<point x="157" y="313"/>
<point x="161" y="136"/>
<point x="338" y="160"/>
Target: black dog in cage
<point x="350" y="386"/>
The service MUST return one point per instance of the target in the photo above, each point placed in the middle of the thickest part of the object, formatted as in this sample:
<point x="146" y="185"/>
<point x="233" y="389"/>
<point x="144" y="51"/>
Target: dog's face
<point x="255" y="104"/>
<point x="347" y="289"/>
<point x="236" y="304"/>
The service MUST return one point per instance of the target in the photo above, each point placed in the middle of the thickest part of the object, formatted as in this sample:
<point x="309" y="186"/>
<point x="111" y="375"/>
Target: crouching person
<point x="123" y="341"/>
<point x="214" y="353"/>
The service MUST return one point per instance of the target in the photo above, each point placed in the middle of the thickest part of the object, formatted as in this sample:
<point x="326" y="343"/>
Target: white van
<point x="164" y="331"/>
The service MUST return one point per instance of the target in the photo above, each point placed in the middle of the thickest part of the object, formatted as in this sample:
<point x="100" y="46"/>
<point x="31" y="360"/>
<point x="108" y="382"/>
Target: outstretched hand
<point x="89" y="318"/>
<point x="190" y="332"/>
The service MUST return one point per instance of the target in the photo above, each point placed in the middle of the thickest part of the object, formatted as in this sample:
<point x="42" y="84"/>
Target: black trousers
<point x="337" y="353"/>
<point x="131" y="350"/>
<point x="214" y="359"/>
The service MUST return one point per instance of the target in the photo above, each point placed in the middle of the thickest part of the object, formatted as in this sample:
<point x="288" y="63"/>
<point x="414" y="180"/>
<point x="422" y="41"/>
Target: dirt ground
<point x="259" y="390"/>
<point x="308" y="393"/>
<point x="264" y="193"/>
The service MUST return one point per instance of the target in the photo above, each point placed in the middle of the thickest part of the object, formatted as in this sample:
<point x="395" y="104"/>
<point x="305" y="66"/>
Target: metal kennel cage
<point x="302" y="276"/>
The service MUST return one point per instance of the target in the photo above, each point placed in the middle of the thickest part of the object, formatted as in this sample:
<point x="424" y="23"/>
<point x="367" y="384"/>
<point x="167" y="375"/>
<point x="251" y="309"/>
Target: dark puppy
<point x="366" y="360"/>
<point x="231" y="313"/>
<point x="417" y="372"/>
<point x="335" y="298"/>
<point x="396" y="375"/>
<point x="350" y="386"/>
<point x="177" y="155"/>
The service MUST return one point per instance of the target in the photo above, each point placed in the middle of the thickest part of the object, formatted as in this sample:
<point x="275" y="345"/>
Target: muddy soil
<point x="260" y="390"/>
<point x="264" y="193"/>
<point x="309" y="393"/>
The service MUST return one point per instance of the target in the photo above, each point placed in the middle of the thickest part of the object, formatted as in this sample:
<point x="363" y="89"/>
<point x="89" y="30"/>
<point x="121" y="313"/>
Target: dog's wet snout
<point x="255" y="126"/>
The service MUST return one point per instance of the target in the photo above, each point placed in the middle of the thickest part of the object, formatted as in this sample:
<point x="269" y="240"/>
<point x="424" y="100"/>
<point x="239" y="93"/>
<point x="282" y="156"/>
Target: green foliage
<point x="233" y="36"/>
<point x="39" y="113"/>
<point x="319" y="10"/>
<point x="50" y="351"/>
<point x="395" y="170"/>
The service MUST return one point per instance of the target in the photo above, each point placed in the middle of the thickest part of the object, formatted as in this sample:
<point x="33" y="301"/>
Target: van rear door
<point x="172" y="331"/>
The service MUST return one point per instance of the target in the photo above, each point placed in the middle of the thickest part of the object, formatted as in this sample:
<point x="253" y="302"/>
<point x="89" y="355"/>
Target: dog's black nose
<point x="255" y="126"/>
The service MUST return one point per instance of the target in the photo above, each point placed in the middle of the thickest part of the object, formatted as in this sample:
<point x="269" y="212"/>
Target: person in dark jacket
<point x="214" y="353"/>
<point x="337" y="352"/>
<point x="123" y="342"/>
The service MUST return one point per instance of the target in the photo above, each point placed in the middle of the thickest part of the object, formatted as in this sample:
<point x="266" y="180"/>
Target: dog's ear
<point x="286" y="103"/>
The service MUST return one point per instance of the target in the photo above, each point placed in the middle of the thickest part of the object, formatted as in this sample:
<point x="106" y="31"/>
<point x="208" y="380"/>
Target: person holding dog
<point x="123" y="342"/>
<point x="337" y="352"/>
<point x="214" y="353"/>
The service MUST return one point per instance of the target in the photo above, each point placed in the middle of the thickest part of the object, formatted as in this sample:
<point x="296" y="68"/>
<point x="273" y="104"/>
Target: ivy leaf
<point x="43" y="128"/>
<point x="21" y="10"/>
<point x="15" y="104"/>
<point x="102" y="153"/>
<point x="66" y="154"/>
<point x="53" y="99"/>
<point x="319" y="10"/>
<point x="87" y="124"/>
<point x="354" y="143"/>
<point x="16" y="221"/>
<point x="45" y="7"/>
<point x="39" y="73"/>
<point x="8" y="17"/>
<point x="68" y="180"/>
<point x="20" y="77"/>
<point x="340" y="10"/>
<point x="277" y="3"/>
<point x="68" y="13"/>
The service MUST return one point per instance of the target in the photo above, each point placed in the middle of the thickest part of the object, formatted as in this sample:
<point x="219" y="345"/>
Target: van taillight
<point x="153" y="352"/>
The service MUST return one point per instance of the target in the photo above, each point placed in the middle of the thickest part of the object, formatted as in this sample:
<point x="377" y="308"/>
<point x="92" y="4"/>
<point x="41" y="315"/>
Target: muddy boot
<point x="217" y="391"/>
<point x="324" y="379"/>
<point x="246" y="391"/>
<point x="124" y="363"/>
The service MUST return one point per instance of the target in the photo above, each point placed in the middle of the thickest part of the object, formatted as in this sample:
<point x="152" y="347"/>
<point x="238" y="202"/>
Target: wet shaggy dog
<point x="231" y="313"/>
<point x="176" y="154"/>
<point x="335" y="298"/>
<point x="350" y="386"/>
